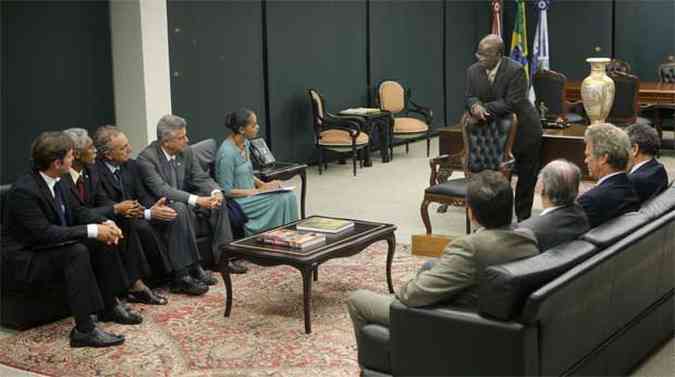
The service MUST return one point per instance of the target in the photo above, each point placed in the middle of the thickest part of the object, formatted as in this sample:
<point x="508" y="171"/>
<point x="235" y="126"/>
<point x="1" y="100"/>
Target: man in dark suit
<point x="496" y="87"/>
<point x="50" y="233"/>
<point x="562" y="219"/>
<point x="169" y="170"/>
<point x="649" y="177"/>
<point x="607" y="150"/>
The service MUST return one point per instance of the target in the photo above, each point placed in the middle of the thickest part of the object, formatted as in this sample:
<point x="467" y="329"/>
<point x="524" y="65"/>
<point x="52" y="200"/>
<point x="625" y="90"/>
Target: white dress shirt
<point x="492" y="73"/>
<point x="638" y="166"/>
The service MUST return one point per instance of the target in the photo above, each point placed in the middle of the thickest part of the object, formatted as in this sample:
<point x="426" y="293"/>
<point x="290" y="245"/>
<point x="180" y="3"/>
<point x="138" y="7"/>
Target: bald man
<point x="496" y="88"/>
<point x="562" y="219"/>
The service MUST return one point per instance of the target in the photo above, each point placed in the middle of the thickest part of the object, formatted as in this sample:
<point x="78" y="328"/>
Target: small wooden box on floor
<point x="430" y="245"/>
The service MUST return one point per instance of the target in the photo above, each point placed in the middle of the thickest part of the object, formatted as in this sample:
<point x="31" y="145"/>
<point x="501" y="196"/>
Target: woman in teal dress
<point x="234" y="172"/>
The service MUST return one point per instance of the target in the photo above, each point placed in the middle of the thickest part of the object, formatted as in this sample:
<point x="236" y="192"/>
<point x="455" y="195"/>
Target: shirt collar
<point x="111" y="167"/>
<point x="494" y="70"/>
<point x="548" y="210"/>
<point x="608" y="176"/>
<point x="49" y="180"/>
<point x="75" y="174"/>
<point x="168" y="156"/>
<point x="638" y="166"/>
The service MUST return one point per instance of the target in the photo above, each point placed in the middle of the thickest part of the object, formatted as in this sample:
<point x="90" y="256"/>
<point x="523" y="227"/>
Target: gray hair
<point x="645" y="137"/>
<point x="80" y="138"/>
<point x="167" y="125"/>
<point x="560" y="182"/>
<point x="611" y="141"/>
<point x="103" y="138"/>
<point x="493" y="41"/>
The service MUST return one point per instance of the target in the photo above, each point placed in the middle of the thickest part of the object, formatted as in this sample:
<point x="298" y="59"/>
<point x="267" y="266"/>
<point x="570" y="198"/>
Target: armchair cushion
<point x="375" y="348"/>
<point x="341" y="138"/>
<point x="453" y="187"/>
<point x="409" y="125"/>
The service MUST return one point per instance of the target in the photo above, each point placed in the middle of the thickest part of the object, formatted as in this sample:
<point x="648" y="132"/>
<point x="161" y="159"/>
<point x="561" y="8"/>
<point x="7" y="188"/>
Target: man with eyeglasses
<point x="496" y="88"/>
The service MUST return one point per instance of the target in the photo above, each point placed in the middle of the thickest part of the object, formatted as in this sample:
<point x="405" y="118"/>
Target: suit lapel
<point x="180" y="169"/>
<point x="108" y="178"/>
<point x="46" y="194"/>
<point x="498" y="77"/>
<point x="163" y="163"/>
<point x="68" y="184"/>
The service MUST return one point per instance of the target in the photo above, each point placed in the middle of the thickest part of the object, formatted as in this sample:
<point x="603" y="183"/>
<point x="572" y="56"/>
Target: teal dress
<point x="265" y="211"/>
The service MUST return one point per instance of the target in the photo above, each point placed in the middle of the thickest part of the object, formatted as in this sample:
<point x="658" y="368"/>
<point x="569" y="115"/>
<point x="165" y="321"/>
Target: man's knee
<point x="78" y="252"/>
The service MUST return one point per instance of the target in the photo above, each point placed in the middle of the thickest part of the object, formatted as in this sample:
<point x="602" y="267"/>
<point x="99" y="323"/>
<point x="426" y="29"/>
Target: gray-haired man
<point x="170" y="170"/>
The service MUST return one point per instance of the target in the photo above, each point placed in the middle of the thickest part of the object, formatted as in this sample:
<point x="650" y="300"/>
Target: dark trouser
<point x="179" y="238"/>
<point x="140" y="246"/>
<point x="527" y="166"/>
<point x="110" y="272"/>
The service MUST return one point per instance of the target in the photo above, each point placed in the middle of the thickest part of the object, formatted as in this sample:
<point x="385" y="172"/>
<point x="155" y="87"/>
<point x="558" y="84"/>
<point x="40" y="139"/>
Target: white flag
<point x="540" y="55"/>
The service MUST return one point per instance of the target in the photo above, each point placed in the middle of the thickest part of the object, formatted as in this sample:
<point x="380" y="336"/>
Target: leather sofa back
<point x="504" y="288"/>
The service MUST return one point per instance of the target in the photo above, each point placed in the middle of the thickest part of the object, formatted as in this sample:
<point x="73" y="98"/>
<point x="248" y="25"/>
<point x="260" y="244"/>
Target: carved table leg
<point x="307" y="296"/>
<point x="391" y="243"/>
<point x="228" y="290"/>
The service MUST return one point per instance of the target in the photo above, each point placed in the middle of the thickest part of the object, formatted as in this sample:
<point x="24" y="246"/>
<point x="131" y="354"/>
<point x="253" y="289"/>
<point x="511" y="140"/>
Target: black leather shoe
<point x="205" y="277"/>
<point x="236" y="267"/>
<point x="96" y="338"/>
<point x="189" y="286"/>
<point x="120" y="315"/>
<point x="146" y="296"/>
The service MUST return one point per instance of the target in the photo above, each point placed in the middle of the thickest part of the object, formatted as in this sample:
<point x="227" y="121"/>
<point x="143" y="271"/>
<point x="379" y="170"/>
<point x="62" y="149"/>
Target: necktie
<point x="173" y="176"/>
<point x="118" y="178"/>
<point x="60" y="204"/>
<point x="80" y="188"/>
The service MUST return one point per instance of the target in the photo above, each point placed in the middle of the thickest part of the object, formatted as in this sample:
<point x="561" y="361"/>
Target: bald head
<point x="490" y="51"/>
<point x="560" y="182"/>
<point x="492" y="42"/>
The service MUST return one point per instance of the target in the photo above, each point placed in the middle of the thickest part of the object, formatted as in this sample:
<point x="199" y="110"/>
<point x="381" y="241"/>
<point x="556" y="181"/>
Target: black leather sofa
<point x="595" y="306"/>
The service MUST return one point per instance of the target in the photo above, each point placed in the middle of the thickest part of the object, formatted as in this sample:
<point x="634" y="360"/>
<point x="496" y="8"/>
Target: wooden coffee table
<point x="307" y="261"/>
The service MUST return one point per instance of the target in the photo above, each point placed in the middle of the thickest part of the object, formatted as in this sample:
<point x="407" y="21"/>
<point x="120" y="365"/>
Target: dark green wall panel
<point x="320" y="45"/>
<point x="406" y="45"/>
<point x="466" y="22"/>
<point x="216" y="58"/>
<point x="645" y="35"/>
<point x="57" y="72"/>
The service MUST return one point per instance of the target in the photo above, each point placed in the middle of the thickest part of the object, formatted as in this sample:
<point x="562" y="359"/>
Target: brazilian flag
<point x="519" y="37"/>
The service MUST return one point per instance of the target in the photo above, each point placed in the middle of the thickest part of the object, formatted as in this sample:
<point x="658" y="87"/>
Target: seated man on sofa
<point x="562" y="219"/>
<point x="454" y="277"/>
<point x="607" y="152"/>
<point x="649" y="177"/>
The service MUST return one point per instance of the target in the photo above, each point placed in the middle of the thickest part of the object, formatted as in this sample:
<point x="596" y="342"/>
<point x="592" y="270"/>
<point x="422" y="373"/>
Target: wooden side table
<point x="285" y="171"/>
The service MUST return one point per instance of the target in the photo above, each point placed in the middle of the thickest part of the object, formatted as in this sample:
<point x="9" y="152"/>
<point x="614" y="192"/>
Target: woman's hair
<point x="237" y="120"/>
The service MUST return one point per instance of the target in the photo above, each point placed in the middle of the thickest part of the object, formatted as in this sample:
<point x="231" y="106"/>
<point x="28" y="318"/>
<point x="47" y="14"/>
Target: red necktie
<point x="80" y="188"/>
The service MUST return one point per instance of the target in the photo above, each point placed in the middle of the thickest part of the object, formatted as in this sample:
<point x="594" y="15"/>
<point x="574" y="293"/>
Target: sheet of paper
<point x="280" y="189"/>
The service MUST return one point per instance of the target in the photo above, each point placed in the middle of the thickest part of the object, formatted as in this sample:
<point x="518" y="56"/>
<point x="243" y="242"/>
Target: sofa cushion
<point x="659" y="205"/>
<point x="504" y="288"/>
<point x="605" y="234"/>
<point x="375" y="348"/>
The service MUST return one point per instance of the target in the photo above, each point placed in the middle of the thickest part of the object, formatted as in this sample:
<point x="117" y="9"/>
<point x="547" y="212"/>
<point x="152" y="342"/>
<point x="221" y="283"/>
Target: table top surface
<point x="362" y="230"/>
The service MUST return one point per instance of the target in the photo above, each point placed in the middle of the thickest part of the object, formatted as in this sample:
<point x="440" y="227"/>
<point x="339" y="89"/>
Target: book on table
<point x="292" y="238"/>
<point x="325" y="225"/>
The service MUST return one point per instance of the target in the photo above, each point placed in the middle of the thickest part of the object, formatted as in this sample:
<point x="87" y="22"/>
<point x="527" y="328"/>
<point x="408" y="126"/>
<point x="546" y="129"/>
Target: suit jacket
<point x="506" y="96"/>
<point x="34" y="217"/>
<point x="191" y="177"/>
<point x="96" y="199"/>
<point x="455" y="275"/>
<point x="612" y="198"/>
<point x="561" y="225"/>
<point x="131" y="188"/>
<point x="649" y="180"/>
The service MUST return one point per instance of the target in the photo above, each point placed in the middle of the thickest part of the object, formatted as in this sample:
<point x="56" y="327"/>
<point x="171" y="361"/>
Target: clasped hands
<point x="133" y="209"/>
<point x="479" y="112"/>
<point x="213" y="201"/>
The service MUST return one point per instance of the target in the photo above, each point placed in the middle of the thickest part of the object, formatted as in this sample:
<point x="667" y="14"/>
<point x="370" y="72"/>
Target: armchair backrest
<point x="205" y="153"/>
<point x="487" y="146"/>
<point x="625" y="108"/>
<point x="318" y="109"/>
<point x="549" y="87"/>
<point x="667" y="71"/>
<point x="391" y="96"/>
<point x="618" y="66"/>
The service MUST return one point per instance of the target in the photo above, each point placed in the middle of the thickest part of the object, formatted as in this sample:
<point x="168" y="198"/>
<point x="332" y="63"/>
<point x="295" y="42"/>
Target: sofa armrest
<point x="442" y="341"/>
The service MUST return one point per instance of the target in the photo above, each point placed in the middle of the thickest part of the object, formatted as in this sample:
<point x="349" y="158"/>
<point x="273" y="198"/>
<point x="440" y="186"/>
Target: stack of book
<point x="325" y="225"/>
<point x="292" y="238"/>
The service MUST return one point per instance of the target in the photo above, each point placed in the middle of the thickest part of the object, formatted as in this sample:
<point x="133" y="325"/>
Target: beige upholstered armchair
<point x="393" y="98"/>
<point x="338" y="134"/>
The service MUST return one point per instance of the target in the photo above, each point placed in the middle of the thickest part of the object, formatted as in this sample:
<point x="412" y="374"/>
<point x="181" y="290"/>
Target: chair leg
<point x="424" y="211"/>
<point x="428" y="145"/>
<point x="406" y="148"/>
<point x="360" y="154"/>
<point x="320" y="160"/>
<point x="468" y="222"/>
<point x="354" y="157"/>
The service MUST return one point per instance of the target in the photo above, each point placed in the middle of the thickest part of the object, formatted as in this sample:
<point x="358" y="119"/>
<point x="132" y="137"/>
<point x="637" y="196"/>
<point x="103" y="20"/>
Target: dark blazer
<point x="507" y="95"/>
<point x="131" y="180"/>
<point x="612" y="198"/>
<point x="192" y="179"/>
<point x="96" y="198"/>
<point x="34" y="217"/>
<point x="649" y="179"/>
<point x="558" y="226"/>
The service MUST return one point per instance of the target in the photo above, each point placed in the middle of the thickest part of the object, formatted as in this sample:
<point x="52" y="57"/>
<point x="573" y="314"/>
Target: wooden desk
<point x="565" y="143"/>
<point x="650" y="92"/>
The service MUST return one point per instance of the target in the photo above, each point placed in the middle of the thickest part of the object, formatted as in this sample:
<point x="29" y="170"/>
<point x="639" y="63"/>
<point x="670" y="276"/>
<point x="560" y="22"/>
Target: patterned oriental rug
<point x="263" y="337"/>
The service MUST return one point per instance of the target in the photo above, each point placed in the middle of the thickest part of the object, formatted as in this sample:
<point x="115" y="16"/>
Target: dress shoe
<point x="146" y="296"/>
<point x="189" y="286"/>
<point x="205" y="277"/>
<point x="120" y="315"/>
<point x="235" y="267"/>
<point x="96" y="338"/>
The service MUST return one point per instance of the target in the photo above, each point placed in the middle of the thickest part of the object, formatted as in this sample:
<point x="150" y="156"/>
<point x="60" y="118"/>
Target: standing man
<point x="170" y="170"/>
<point x="607" y="153"/>
<point x="562" y="219"/>
<point x="496" y="88"/>
<point x="51" y="233"/>
<point x="649" y="177"/>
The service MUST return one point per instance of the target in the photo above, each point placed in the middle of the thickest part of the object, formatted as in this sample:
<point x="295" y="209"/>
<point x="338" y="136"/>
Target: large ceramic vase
<point x="597" y="91"/>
